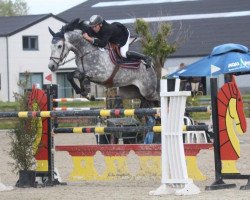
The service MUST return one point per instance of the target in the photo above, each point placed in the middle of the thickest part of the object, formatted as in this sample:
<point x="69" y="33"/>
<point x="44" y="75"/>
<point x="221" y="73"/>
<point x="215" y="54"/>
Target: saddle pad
<point x="115" y="57"/>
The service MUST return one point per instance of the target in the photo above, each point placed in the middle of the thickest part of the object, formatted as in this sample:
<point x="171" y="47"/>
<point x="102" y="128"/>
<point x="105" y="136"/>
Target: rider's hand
<point x="86" y="36"/>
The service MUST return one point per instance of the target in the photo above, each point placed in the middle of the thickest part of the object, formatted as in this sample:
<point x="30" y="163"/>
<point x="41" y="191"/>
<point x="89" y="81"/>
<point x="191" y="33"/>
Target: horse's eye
<point x="59" y="46"/>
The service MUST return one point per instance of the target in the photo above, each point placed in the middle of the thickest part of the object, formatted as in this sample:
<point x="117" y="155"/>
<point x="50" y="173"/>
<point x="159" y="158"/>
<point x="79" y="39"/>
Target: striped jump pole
<point x="102" y="112"/>
<point x="74" y="108"/>
<point x="70" y="100"/>
<point x="130" y="129"/>
<point x="188" y="109"/>
<point x="198" y="109"/>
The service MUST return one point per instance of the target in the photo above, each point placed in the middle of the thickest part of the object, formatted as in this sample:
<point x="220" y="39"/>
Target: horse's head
<point x="63" y="42"/>
<point x="236" y="107"/>
<point x="59" y="50"/>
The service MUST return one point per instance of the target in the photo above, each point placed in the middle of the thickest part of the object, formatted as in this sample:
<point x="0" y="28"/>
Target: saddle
<point x="117" y="59"/>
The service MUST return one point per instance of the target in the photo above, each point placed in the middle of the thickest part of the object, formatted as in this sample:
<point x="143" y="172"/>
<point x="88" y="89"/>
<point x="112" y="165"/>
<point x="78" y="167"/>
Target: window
<point x="30" y="42"/>
<point x="32" y="78"/>
<point x="64" y="87"/>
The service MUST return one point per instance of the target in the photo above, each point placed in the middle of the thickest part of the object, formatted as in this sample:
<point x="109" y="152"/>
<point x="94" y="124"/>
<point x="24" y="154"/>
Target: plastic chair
<point x="193" y="136"/>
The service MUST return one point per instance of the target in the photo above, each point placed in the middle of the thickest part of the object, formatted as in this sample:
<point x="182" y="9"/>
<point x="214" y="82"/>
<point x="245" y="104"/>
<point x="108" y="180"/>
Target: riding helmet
<point x="95" y="20"/>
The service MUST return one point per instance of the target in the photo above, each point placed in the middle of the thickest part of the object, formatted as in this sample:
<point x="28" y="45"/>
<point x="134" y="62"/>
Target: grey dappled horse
<point x="95" y="64"/>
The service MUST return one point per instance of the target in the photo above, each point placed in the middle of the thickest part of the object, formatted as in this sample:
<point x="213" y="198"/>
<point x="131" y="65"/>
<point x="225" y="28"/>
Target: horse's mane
<point x="75" y="24"/>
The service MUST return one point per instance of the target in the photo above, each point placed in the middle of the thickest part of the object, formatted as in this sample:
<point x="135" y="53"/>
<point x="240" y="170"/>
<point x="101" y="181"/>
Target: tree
<point x="13" y="8"/>
<point x="158" y="46"/>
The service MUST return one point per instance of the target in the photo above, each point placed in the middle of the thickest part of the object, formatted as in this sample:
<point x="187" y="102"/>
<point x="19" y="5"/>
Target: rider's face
<point x="97" y="28"/>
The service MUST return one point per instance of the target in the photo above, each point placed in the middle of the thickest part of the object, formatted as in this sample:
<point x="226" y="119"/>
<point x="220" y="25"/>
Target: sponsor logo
<point x="238" y="65"/>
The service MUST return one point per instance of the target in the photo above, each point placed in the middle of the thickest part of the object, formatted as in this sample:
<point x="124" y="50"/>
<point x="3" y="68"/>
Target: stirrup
<point x="148" y="63"/>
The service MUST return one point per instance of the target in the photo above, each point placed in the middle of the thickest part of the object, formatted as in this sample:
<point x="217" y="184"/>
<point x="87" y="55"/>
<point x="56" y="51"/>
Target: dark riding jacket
<point x="115" y="33"/>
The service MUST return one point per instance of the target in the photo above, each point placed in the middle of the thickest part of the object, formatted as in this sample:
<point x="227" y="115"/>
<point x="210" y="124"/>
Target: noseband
<point x="57" y="60"/>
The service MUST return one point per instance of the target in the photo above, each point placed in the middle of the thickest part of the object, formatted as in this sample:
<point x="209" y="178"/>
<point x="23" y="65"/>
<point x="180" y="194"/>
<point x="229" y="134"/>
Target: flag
<point x="214" y="69"/>
<point x="49" y="77"/>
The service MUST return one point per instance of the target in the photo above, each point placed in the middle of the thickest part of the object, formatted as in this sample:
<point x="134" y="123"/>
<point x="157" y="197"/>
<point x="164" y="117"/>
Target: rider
<point x="117" y="33"/>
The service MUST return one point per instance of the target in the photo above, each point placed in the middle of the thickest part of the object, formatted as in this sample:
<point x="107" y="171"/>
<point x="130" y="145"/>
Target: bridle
<point x="58" y="60"/>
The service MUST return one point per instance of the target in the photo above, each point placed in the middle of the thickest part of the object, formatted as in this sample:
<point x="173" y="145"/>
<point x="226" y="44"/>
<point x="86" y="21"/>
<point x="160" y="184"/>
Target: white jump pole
<point x="174" y="170"/>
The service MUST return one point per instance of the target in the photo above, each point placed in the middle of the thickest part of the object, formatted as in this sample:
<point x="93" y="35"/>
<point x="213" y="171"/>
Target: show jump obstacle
<point x="45" y="155"/>
<point x="174" y="170"/>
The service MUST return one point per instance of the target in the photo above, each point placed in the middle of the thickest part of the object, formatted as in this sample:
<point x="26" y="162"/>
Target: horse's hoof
<point x="78" y="92"/>
<point x="85" y="94"/>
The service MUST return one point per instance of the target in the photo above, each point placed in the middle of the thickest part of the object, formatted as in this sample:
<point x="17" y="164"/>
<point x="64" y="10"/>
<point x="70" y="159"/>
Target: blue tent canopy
<point x="226" y="58"/>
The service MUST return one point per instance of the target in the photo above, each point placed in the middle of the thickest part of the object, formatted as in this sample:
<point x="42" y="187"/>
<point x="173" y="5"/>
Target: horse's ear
<point x="51" y="32"/>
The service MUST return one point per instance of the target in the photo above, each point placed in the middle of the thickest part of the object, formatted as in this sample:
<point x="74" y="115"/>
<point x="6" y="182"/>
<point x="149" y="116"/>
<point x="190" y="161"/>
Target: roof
<point x="14" y="24"/>
<point x="209" y="22"/>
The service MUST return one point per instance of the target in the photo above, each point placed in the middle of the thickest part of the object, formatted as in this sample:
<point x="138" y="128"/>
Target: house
<point x="208" y="23"/>
<point x="24" y="46"/>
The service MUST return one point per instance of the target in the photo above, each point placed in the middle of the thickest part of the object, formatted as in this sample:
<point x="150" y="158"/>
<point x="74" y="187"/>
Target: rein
<point x="66" y="61"/>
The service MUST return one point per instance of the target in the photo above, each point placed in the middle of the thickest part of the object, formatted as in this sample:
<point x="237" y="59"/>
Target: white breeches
<point x="195" y="87"/>
<point x="124" y="48"/>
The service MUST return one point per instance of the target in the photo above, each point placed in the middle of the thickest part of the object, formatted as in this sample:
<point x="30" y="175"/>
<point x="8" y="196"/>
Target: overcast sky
<point x="51" y="6"/>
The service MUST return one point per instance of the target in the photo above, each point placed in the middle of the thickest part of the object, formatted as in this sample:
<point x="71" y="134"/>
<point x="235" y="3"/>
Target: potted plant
<point x="23" y="138"/>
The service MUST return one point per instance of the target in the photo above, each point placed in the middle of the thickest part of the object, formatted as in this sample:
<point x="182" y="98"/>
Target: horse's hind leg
<point x="148" y="93"/>
<point x="148" y="104"/>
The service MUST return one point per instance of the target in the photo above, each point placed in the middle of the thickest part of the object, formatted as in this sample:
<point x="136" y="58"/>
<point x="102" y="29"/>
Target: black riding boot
<point x="139" y="56"/>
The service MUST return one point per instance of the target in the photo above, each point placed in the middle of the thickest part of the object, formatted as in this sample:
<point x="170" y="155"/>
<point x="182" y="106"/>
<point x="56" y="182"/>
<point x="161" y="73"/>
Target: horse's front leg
<point x="84" y="89"/>
<point x="70" y="77"/>
<point x="85" y="86"/>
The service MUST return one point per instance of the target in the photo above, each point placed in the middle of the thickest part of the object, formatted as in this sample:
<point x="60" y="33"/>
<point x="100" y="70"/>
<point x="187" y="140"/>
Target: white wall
<point x="172" y="64"/>
<point x="3" y="69"/>
<point x="32" y="61"/>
